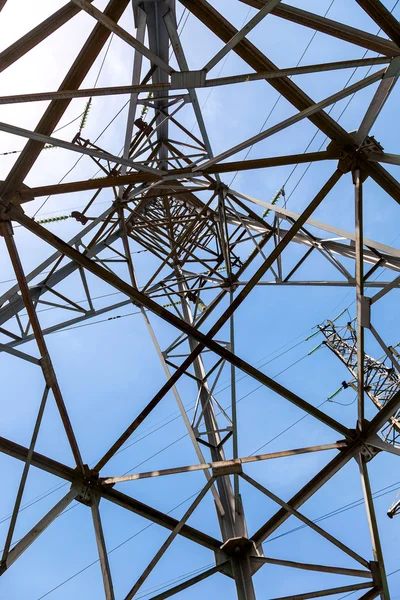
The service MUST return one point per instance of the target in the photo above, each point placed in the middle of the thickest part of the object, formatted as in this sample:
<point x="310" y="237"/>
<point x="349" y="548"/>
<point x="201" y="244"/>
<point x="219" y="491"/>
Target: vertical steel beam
<point x="361" y="301"/>
<point x="102" y="550"/>
<point x="373" y="527"/>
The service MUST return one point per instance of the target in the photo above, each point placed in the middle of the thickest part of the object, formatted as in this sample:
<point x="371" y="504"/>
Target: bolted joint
<point x="376" y="573"/>
<point x="369" y="452"/>
<point x="89" y="494"/>
<point x="48" y="371"/>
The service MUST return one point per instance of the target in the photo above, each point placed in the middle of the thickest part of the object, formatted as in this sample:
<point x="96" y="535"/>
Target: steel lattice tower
<point x="210" y="250"/>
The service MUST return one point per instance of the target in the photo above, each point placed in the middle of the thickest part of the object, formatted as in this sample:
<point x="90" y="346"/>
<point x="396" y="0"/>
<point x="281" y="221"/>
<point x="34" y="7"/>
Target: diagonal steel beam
<point x="37" y="34"/>
<point x="378" y="101"/>
<point x="258" y="17"/>
<point x="382" y="17"/>
<point x="330" y="27"/>
<point x="292" y="511"/>
<point x="159" y="554"/>
<point x="57" y="108"/>
<point x="111" y="25"/>
<point x="304" y="114"/>
<point x="71" y="475"/>
<point x="289" y="90"/>
<point x="305" y="493"/>
<point x="38" y="529"/>
<point x="189" y="582"/>
<point x="46" y="139"/>
<point x="205" y="340"/>
<point x="45" y="360"/>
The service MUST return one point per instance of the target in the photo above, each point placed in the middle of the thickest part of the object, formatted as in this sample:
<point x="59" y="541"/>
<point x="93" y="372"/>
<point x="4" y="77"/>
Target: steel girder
<point x="201" y="250"/>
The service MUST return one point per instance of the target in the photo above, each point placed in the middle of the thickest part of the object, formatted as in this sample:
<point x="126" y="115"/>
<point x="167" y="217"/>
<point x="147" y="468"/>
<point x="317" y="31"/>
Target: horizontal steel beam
<point x="225" y="464"/>
<point x="150" y="88"/>
<point x="71" y="475"/>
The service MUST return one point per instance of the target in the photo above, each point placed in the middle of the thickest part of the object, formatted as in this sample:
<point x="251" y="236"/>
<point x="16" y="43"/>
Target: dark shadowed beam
<point x="37" y="34"/>
<point x="382" y="17"/>
<point x="228" y="167"/>
<point x="56" y="109"/>
<point x="330" y="27"/>
<point x="2" y="4"/>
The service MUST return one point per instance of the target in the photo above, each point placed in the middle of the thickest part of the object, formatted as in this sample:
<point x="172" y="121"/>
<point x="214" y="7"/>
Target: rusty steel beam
<point x="56" y="109"/>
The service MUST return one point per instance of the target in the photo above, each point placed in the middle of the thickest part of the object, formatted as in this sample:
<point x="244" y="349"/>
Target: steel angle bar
<point x="389" y="286"/>
<point x="331" y="591"/>
<point x="386" y="350"/>
<point x="24" y="477"/>
<point x="331" y="27"/>
<point x="384" y="415"/>
<point x="151" y="88"/>
<point x="183" y="65"/>
<point x="225" y="463"/>
<point x="371" y="594"/>
<point x="189" y="582"/>
<point x="56" y="109"/>
<point x="284" y="213"/>
<point x="305" y="493"/>
<point x="136" y="71"/>
<point x="263" y="12"/>
<point x="360" y="300"/>
<point x="169" y="541"/>
<point x="307" y="521"/>
<point x="17" y="353"/>
<point x="108" y="23"/>
<point x="102" y="550"/>
<point x="373" y="526"/>
<point x="383" y="18"/>
<point x="37" y="34"/>
<point x="380" y="98"/>
<point x="36" y="531"/>
<point x="385" y="157"/>
<point x="46" y="139"/>
<point x="182" y="410"/>
<point x="114" y="496"/>
<point x="304" y="114"/>
<point x="45" y="363"/>
<point x="312" y="567"/>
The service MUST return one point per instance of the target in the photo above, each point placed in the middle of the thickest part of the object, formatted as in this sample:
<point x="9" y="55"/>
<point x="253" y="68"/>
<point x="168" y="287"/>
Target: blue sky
<point x="110" y="370"/>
